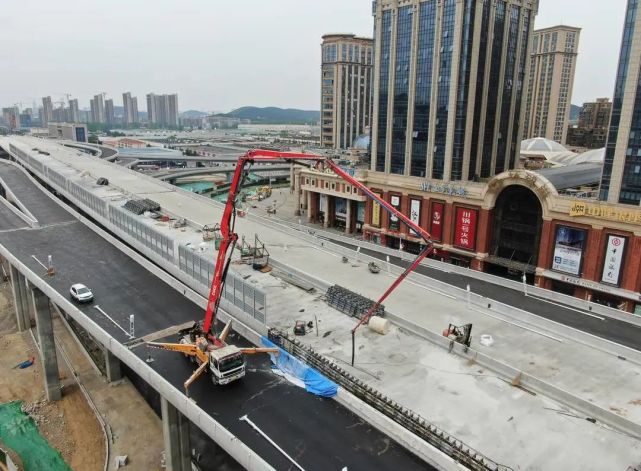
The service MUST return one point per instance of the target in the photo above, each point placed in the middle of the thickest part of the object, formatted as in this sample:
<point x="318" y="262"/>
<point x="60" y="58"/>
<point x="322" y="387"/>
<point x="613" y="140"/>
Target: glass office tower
<point x="449" y="79"/>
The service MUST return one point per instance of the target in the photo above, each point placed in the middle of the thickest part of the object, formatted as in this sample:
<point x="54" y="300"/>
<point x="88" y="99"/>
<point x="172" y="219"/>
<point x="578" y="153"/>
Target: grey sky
<point x="225" y="54"/>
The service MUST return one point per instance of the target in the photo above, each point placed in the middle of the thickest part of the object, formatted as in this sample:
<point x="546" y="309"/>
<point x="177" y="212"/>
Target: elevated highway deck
<point x="468" y="407"/>
<point x="320" y="433"/>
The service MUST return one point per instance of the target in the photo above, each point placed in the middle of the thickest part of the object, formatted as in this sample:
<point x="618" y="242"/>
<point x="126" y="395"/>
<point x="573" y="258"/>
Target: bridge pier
<point x="20" y="300"/>
<point x="112" y="366"/>
<point x="44" y="328"/>
<point x="175" y="430"/>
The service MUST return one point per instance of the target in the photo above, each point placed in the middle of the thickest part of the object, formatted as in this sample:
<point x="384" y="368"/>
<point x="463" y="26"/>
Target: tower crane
<point x="210" y="351"/>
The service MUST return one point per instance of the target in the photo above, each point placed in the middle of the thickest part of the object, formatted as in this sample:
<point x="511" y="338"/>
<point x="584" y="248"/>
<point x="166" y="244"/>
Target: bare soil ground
<point x="69" y="425"/>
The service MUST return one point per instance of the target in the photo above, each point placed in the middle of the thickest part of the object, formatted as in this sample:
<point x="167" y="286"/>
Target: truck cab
<point x="226" y="364"/>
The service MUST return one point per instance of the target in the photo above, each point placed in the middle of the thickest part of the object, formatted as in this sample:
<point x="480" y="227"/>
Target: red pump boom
<point x="229" y="237"/>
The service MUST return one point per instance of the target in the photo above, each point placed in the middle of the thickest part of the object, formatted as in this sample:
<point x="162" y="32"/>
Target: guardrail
<point x="425" y="430"/>
<point x="467" y="272"/>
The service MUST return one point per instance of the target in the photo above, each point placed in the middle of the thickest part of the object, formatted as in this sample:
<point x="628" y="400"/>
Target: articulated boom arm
<point x="229" y="237"/>
<point x="187" y="349"/>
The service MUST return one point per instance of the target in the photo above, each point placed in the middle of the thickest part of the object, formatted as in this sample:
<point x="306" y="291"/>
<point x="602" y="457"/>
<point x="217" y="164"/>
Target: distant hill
<point x="574" y="113"/>
<point x="273" y="115"/>
<point x="193" y="114"/>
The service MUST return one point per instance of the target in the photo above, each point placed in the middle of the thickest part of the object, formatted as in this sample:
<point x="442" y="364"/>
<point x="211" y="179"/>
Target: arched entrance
<point x="516" y="230"/>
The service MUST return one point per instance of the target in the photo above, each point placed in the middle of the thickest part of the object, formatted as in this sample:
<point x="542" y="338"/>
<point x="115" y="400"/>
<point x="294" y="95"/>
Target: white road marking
<point x="519" y="325"/>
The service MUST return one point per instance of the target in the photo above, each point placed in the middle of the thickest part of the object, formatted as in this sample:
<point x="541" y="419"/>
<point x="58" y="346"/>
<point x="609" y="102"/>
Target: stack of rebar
<point x="140" y="206"/>
<point x="352" y="304"/>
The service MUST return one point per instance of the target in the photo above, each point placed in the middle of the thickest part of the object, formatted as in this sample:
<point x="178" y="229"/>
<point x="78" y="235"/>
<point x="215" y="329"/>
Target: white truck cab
<point x="226" y="364"/>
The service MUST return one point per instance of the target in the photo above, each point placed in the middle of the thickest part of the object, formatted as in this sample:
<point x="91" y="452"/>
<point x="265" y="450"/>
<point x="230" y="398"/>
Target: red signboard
<point x="465" y="229"/>
<point x="436" y="227"/>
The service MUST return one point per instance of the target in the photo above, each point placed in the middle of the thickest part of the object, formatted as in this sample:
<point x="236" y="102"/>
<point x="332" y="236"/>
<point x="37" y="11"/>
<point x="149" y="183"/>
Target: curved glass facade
<point x="401" y="88"/>
<point x="443" y="87"/>
<point x="632" y="194"/>
<point x="386" y="34"/>
<point x="462" y="92"/>
<point x="493" y="92"/>
<point x="469" y="61"/>
<point x="423" y="94"/>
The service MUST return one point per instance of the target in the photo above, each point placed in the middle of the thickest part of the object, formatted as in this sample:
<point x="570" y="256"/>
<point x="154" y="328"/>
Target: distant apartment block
<point x="97" y="106"/>
<point x="592" y="129"/>
<point x="162" y="110"/>
<point x="552" y="67"/>
<point x="130" y="108"/>
<point x="110" y="116"/>
<point x="74" y="115"/>
<point x="346" y="88"/>
<point x="47" y="111"/>
<point x="11" y="117"/>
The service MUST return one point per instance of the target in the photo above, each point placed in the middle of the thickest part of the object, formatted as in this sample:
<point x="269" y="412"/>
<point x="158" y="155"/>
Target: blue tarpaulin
<point x="313" y="381"/>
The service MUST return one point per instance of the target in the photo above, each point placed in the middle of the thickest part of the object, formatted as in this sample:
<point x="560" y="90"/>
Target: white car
<point x="81" y="293"/>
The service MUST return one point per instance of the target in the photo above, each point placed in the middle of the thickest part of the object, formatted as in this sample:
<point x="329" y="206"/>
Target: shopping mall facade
<point x="514" y="223"/>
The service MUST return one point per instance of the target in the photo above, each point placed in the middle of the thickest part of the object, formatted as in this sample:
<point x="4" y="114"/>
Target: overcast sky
<point x="219" y="55"/>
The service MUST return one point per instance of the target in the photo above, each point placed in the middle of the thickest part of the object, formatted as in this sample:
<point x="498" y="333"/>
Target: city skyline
<point x="226" y="80"/>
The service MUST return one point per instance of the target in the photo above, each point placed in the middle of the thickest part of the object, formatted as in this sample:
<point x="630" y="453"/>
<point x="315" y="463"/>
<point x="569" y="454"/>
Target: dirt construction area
<point x="69" y="425"/>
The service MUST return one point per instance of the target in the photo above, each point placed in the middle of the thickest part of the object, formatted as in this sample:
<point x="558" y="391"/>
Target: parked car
<point x="81" y="293"/>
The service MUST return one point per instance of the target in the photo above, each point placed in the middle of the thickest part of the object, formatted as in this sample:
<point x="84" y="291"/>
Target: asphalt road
<point x="42" y="207"/>
<point x="320" y="433"/>
<point x="611" y="329"/>
<point x="9" y="220"/>
<point x="316" y="432"/>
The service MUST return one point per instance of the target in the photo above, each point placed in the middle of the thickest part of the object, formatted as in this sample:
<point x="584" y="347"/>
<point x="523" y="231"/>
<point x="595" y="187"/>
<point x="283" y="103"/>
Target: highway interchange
<point x="319" y="433"/>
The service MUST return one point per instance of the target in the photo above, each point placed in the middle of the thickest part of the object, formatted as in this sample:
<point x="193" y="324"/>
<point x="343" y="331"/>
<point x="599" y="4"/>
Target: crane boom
<point x="229" y="237"/>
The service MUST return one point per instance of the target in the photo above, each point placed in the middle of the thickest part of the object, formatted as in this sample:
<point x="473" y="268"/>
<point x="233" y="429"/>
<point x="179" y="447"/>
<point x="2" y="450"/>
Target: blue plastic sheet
<point x="314" y="382"/>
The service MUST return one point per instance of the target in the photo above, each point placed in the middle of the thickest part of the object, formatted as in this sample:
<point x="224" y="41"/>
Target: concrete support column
<point x="19" y="301"/>
<point x="298" y="192"/>
<point x="326" y="212"/>
<point x="44" y="327"/>
<point x="112" y="366"/>
<point x="26" y="299"/>
<point x="175" y="430"/>
<point x="348" y="216"/>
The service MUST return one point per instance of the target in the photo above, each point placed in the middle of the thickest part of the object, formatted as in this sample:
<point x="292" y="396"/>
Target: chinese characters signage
<point x="445" y="188"/>
<point x="436" y="227"/>
<point x="415" y="214"/>
<point x="613" y="259"/>
<point x="605" y="212"/>
<point x="568" y="250"/>
<point x="376" y="213"/>
<point x="465" y="229"/>
<point x="394" y="223"/>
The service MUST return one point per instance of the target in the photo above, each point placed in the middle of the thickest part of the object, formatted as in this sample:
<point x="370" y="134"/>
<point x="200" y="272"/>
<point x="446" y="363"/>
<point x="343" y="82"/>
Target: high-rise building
<point x="162" y="109"/>
<point x="621" y="178"/>
<point x="552" y="66"/>
<point x="11" y="117"/>
<point x="130" y="108"/>
<point x="346" y="89"/>
<point x="172" y="110"/>
<point x="59" y="114"/>
<point x="110" y="116"/>
<point x="47" y="111"/>
<point x="134" y="105"/>
<point x="152" y="113"/>
<point x="448" y="81"/>
<point x="97" y="106"/>
<point x="74" y="115"/>
<point x="592" y="129"/>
